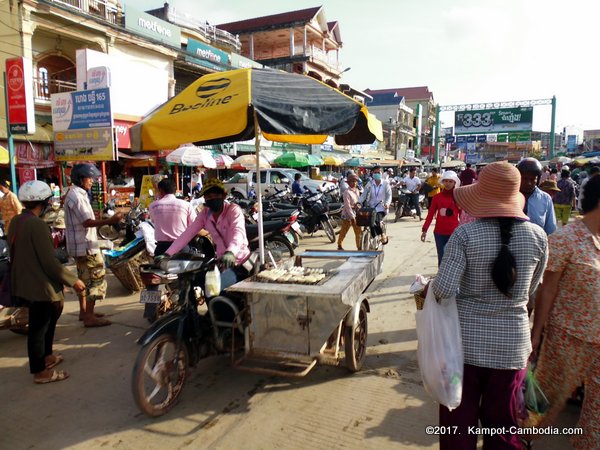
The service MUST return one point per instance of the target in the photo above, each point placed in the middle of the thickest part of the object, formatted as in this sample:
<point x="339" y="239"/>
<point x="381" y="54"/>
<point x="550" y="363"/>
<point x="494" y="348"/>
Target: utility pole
<point x="10" y="142"/>
<point x="552" y="128"/>
<point x="436" y="158"/>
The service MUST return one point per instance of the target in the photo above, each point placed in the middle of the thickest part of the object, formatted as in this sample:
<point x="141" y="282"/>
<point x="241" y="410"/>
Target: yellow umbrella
<point x="235" y="105"/>
<point x="332" y="161"/>
<point x="3" y="155"/>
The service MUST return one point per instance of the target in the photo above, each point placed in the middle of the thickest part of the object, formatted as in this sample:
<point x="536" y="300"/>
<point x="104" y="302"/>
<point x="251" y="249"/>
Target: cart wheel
<point x="355" y="341"/>
<point x="159" y="375"/>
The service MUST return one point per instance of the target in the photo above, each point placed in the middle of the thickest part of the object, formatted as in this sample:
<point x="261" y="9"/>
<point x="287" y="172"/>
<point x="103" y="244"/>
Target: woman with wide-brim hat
<point x="491" y="265"/>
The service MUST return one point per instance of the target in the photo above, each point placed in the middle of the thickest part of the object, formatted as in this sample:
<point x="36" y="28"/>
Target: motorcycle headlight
<point x="182" y="266"/>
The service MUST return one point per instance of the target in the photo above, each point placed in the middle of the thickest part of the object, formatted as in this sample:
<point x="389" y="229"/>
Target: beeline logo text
<point x="209" y="93"/>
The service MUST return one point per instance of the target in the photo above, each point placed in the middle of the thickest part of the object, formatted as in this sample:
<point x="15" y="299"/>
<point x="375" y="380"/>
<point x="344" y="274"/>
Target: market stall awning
<point x="136" y="156"/>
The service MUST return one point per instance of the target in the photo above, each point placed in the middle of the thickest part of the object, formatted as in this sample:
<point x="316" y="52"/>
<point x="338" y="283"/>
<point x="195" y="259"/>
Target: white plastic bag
<point x="419" y="284"/>
<point x="212" y="283"/>
<point x="440" y="352"/>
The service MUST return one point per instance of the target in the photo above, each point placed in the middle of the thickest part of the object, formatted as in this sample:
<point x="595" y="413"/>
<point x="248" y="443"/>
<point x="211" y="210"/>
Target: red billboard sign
<point x="19" y="92"/>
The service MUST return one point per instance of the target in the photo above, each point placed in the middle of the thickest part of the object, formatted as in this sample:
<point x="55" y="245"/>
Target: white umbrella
<point x="249" y="161"/>
<point x="190" y="155"/>
<point x="223" y="161"/>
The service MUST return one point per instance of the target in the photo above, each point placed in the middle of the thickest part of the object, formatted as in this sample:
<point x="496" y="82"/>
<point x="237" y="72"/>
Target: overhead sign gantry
<point x="495" y="117"/>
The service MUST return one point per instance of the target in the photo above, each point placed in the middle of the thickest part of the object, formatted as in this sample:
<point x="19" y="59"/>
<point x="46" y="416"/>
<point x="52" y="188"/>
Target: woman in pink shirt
<point x="225" y="224"/>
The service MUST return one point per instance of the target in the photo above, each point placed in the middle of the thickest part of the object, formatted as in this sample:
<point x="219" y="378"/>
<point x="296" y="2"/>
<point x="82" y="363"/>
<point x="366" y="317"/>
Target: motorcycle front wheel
<point x="328" y="228"/>
<point x="279" y="247"/>
<point x="159" y="374"/>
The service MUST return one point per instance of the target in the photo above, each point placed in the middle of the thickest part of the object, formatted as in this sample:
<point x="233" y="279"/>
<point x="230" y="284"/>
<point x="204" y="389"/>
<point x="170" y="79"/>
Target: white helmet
<point x="34" y="191"/>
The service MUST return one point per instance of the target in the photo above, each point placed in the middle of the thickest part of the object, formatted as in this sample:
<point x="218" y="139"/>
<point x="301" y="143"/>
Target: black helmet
<point x="530" y="165"/>
<point x="81" y="171"/>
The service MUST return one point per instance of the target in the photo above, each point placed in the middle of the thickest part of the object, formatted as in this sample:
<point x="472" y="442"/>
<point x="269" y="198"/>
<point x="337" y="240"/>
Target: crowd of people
<point x="507" y="243"/>
<point x="521" y="252"/>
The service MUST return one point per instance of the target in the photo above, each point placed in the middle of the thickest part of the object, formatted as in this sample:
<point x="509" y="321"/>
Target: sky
<point x="465" y="51"/>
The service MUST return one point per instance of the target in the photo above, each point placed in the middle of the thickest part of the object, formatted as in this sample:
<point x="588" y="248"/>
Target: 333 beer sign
<point x="477" y="119"/>
<point x="494" y="120"/>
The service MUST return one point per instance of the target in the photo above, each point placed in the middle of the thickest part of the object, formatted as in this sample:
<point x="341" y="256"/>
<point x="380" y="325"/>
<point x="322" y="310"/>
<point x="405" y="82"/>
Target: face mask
<point x="215" y="204"/>
<point x="377" y="176"/>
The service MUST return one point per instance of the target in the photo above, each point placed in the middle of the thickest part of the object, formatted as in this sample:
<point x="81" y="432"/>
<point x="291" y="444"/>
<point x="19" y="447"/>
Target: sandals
<point x="57" y="375"/>
<point x="97" y="315"/>
<point x="57" y="360"/>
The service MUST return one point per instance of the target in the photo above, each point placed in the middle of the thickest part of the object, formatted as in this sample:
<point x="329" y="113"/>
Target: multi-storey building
<point x="413" y="97"/>
<point x="298" y="41"/>
<point x="398" y="122"/>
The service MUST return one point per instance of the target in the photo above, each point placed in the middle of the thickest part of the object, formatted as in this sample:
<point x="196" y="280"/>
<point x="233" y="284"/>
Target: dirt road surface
<point x="382" y="407"/>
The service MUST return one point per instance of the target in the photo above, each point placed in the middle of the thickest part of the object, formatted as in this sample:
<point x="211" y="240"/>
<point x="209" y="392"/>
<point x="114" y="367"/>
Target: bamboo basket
<point x="419" y="300"/>
<point x="128" y="271"/>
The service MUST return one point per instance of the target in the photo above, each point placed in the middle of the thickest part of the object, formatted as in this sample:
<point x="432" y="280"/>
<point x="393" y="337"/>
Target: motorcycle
<point x="404" y="206"/>
<point x="314" y="215"/>
<point x="178" y="340"/>
<point x="277" y="237"/>
<point x="129" y="225"/>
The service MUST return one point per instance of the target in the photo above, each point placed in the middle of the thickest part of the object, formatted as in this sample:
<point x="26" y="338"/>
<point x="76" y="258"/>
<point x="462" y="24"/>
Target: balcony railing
<point x="313" y="52"/>
<point x="207" y="30"/>
<point x="104" y="9"/>
<point x="42" y="88"/>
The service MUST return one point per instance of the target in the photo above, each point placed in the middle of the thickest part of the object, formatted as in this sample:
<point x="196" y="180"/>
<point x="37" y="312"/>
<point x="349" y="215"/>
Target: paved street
<point x="383" y="406"/>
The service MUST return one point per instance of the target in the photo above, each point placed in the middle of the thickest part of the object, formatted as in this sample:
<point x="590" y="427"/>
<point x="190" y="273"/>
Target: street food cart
<point x="293" y="326"/>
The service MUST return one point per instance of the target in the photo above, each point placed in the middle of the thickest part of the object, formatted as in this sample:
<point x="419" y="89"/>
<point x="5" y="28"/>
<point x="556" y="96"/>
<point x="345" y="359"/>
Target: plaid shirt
<point x="495" y="328"/>
<point x="77" y="210"/>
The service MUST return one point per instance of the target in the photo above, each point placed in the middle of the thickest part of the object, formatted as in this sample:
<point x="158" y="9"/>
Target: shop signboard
<point x="80" y="110"/>
<point x="471" y="138"/>
<point x="240" y="62"/>
<point x="482" y="138"/>
<point x="145" y="197"/>
<point x="19" y="96"/>
<point x="493" y="120"/>
<point x="34" y="154"/>
<point x="460" y="139"/>
<point x="229" y="149"/>
<point x="207" y="56"/>
<point x="152" y="27"/>
<point x="98" y="77"/>
<point x="26" y="174"/>
<point x="450" y="139"/>
<point x="502" y="138"/>
<point x="95" y="144"/>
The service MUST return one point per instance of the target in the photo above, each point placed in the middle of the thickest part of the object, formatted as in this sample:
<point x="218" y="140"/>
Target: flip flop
<point x="57" y="360"/>
<point x="97" y="315"/>
<point x="97" y="323"/>
<point x="57" y="375"/>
